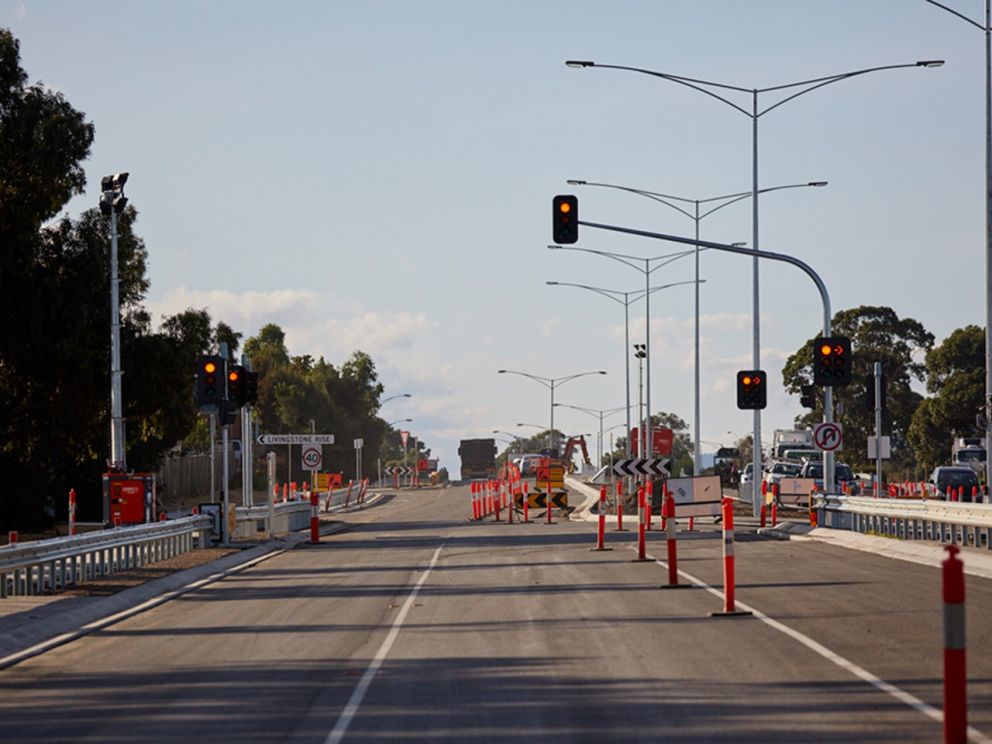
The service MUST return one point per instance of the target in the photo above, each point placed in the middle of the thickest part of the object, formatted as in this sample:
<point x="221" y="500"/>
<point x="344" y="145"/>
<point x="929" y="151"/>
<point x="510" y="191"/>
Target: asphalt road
<point x="418" y="625"/>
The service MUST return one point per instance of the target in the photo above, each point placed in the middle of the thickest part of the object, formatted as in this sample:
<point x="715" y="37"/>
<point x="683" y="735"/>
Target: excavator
<point x="570" y="448"/>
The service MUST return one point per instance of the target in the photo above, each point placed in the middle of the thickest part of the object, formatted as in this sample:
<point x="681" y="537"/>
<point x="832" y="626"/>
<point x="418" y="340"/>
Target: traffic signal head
<point x="250" y="385"/>
<point x="565" y="219"/>
<point x="752" y="389"/>
<point x="235" y="385"/>
<point x="209" y="380"/>
<point x="832" y="361"/>
<point x="807" y="397"/>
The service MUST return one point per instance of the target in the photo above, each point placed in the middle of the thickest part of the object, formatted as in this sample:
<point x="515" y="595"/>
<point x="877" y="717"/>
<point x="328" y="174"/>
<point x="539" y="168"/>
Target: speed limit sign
<point x="312" y="456"/>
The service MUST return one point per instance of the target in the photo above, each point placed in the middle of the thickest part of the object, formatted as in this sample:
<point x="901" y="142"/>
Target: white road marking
<point x="863" y="674"/>
<point x="355" y="701"/>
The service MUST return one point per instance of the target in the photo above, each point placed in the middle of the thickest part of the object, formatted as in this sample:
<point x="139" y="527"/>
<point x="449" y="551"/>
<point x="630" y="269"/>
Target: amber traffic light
<point x="565" y="219"/>
<point x="832" y="361"/>
<point x="209" y="380"/>
<point x="752" y="389"/>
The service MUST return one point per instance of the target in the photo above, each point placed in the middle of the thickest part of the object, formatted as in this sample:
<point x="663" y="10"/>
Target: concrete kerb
<point x="64" y="620"/>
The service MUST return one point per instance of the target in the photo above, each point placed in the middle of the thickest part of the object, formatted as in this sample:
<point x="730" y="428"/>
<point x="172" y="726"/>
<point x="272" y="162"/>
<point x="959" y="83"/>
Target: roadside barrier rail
<point x="42" y="566"/>
<point x="943" y="521"/>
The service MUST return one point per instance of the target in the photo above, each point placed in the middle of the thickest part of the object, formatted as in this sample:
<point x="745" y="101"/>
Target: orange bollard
<point x="72" y="511"/>
<point x="764" y="510"/>
<point x="648" y="498"/>
<point x="671" y="542"/>
<point x="620" y="527"/>
<point x="547" y="505"/>
<point x="12" y="537"/>
<point x="774" y="513"/>
<point x="314" y="517"/>
<point x="729" y="598"/>
<point x="641" y="533"/>
<point x="601" y="530"/>
<point x="955" y="679"/>
<point x="285" y="492"/>
<point x="526" y="503"/>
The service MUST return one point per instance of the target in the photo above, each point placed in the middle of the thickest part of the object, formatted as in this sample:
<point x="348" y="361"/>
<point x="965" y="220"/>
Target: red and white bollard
<point x="648" y="498"/>
<point x="12" y="537"/>
<point x="72" y="511"/>
<point x="497" y="497"/>
<point x="547" y="506"/>
<point x="601" y="530"/>
<point x="955" y="679"/>
<point x="641" y="533"/>
<point x="774" y="513"/>
<point x="511" y="502"/>
<point x="117" y="520"/>
<point x="471" y="498"/>
<point x="729" y="598"/>
<point x="526" y="502"/>
<point x="671" y="542"/>
<point x="620" y="527"/>
<point x="314" y="517"/>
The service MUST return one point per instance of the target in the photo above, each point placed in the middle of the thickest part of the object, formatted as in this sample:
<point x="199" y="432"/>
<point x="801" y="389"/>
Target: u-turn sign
<point x="828" y="437"/>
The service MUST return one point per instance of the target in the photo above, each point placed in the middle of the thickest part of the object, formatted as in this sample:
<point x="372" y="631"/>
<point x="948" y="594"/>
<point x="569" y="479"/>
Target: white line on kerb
<point x="355" y="701"/>
<point x="863" y="674"/>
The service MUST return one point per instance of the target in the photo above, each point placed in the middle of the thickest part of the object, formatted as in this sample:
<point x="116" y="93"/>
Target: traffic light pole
<point x="828" y="401"/>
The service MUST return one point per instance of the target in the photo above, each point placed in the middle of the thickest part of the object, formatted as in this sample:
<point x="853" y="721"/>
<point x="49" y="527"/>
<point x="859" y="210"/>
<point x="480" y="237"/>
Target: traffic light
<point x="752" y="390"/>
<point x="250" y="384"/>
<point x="565" y="219"/>
<point x="235" y="385"/>
<point x="209" y="380"/>
<point x="870" y="392"/>
<point x="832" y="361"/>
<point x="807" y="398"/>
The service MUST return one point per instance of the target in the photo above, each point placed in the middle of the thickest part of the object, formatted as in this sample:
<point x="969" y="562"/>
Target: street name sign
<point x="295" y="439"/>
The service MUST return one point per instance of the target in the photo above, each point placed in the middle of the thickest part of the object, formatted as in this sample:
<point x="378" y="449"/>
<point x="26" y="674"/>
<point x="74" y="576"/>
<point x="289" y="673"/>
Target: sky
<point x="378" y="175"/>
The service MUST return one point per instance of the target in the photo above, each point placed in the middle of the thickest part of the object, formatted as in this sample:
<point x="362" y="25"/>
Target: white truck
<point x="795" y="441"/>
<point x="970" y="452"/>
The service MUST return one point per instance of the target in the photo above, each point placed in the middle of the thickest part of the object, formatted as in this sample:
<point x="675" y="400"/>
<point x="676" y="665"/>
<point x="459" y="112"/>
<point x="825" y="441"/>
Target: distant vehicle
<point x="726" y="464"/>
<point x="951" y="476"/>
<point x="478" y="458"/>
<point x="843" y="475"/>
<point x="528" y="464"/>
<point x="780" y="469"/>
<point x="970" y="452"/>
<point x="747" y="474"/>
<point x="790" y="439"/>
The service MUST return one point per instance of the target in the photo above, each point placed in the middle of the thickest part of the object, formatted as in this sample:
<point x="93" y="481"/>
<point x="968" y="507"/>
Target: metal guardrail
<point x="908" y="519"/>
<point x="50" y="565"/>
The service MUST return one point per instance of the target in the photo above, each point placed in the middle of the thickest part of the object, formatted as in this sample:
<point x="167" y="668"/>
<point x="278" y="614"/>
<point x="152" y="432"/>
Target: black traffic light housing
<point x="832" y="361"/>
<point x="565" y="219"/>
<point x="807" y="398"/>
<point x="210" y="372"/>
<point x="236" y="385"/>
<point x="870" y="392"/>
<point x="250" y="385"/>
<point x="752" y="389"/>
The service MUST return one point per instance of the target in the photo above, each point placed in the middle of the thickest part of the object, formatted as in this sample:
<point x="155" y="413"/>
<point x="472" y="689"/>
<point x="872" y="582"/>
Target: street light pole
<point x="709" y="88"/>
<point x="697" y="216"/>
<point x="596" y="412"/>
<point x="550" y="383"/>
<point x="987" y="30"/>
<point x="112" y="203"/>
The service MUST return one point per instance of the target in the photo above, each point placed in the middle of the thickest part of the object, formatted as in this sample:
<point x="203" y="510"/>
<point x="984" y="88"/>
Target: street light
<point x="393" y="397"/>
<point x="551" y="383"/>
<point x="112" y="203"/>
<point x="696" y="216"/>
<point x="399" y="421"/>
<point x="987" y="30"/>
<point x="601" y="413"/>
<point x="709" y="88"/>
<point x="633" y="262"/>
<point x="615" y="295"/>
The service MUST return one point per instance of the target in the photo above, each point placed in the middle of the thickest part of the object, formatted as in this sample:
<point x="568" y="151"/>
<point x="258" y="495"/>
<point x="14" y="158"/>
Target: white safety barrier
<point x="908" y="519"/>
<point x="290" y="516"/>
<point x="50" y="565"/>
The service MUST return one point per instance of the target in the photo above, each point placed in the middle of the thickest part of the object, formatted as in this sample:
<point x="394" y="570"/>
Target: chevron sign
<point x="398" y="470"/>
<point x="656" y="466"/>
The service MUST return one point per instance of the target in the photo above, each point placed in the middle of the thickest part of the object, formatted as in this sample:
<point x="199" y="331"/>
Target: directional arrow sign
<point x="640" y="466"/>
<point x="398" y="470"/>
<point x="295" y="439"/>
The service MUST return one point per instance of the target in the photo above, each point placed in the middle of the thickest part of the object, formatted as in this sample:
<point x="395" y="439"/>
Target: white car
<point x="778" y="470"/>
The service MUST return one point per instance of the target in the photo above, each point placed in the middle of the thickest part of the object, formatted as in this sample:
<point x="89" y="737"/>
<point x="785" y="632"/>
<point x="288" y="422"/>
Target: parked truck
<point x="970" y="452"/>
<point x="478" y="458"/>
<point x="786" y="442"/>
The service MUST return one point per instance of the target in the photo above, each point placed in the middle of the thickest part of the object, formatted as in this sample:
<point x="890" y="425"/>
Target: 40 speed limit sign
<point x="312" y="456"/>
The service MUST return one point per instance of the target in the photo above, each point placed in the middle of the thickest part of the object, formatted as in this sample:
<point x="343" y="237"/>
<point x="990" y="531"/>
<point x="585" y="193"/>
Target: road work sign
<point x="696" y="497"/>
<point x="795" y="491"/>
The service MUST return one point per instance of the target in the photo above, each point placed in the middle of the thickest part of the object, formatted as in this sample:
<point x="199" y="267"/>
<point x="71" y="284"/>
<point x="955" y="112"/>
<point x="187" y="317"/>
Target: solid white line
<point x="355" y="701"/>
<point x="849" y="666"/>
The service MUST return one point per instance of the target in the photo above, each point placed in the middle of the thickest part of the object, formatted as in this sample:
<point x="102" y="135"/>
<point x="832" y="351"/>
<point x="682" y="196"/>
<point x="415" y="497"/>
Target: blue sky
<point x="378" y="175"/>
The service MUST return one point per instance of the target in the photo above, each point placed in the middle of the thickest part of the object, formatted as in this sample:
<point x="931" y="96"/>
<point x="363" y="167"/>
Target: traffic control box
<point x="128" y="498"/>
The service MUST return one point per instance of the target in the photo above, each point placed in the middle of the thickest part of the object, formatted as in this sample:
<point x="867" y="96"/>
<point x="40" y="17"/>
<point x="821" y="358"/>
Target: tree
<point x="877" y="334"/>
<point x="956" y="382"/>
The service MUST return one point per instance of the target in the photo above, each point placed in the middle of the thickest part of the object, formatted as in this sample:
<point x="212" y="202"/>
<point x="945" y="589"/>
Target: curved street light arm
<point x="959" y="15"/>
<point x="607" y="293"/>
<point x="562" y="380"/>
<point x="734" y="198"/>
<point x="676" y="257"/>
<point x="621" y="257"/>
<point x="546" y="381"/>
<point x="821" y="82"/>
<point x="695" y="84"/>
